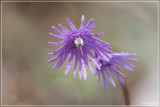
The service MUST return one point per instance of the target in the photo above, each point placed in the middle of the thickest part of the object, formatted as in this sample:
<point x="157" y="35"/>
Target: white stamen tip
<point x="78" y="41"/>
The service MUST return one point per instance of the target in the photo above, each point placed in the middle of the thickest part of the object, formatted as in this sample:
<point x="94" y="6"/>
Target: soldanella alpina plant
<point x="109" y="68"/>
<point x="80" y="43"/>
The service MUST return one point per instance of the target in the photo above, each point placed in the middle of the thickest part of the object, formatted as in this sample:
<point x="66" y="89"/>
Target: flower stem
<point x="126" y="94"/>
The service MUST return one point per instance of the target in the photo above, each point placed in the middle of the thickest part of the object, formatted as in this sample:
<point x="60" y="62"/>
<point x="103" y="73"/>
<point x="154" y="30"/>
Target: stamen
<point x="79" y="43"/>
<point x="119" y="72"/>
<point x="81" y="50"/>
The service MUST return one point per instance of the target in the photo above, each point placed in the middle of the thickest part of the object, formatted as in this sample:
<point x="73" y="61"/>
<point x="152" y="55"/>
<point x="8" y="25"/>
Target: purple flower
<point x="79" y="43"/>
<point x="109" y="68"/>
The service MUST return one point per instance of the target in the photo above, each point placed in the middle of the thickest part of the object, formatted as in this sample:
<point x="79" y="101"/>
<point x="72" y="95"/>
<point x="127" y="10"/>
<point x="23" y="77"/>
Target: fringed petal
<point x="117" y="75"/>
<point x="57" y="31"/>
<point x="100" y="41"/>
<point x="84" y="70"/>
<point x="93" y="58"/>
<point x="110" y="78"/>
<point x="71" y="25"/>
<point x="97" y="35"/>
<point x="54" y="59"/>
<point x="124" y="66"/>
<point x="98" y="72"/>
<point x="90" y="23"/>
<point x="56" y="43"/>
<point x="82" y="23"/>
<point x="69" y="63"/>
<point x="75" y="65"/>
<point x="65" y="30"/>
<point x="80" y="68"/>
<point x="56" y="36"/>
<point x="105" y="84"/>
<point x="88" y="64"/>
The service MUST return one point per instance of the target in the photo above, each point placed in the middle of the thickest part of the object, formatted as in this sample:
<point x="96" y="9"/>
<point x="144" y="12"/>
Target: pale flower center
<point x="78" y="42"/>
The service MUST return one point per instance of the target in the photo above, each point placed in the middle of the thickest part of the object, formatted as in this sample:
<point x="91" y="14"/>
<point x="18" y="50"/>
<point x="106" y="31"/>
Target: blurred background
<point x="28" y="80"/>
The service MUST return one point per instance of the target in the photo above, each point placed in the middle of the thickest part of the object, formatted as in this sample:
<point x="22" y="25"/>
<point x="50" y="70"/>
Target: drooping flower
<point x="109" y="68"/>
<point x="79" y="43"/>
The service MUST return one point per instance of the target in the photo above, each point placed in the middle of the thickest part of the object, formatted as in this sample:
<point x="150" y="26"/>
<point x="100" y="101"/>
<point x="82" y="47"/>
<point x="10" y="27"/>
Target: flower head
<point x="79" y="43"/>
<point x="109" y="68"/>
